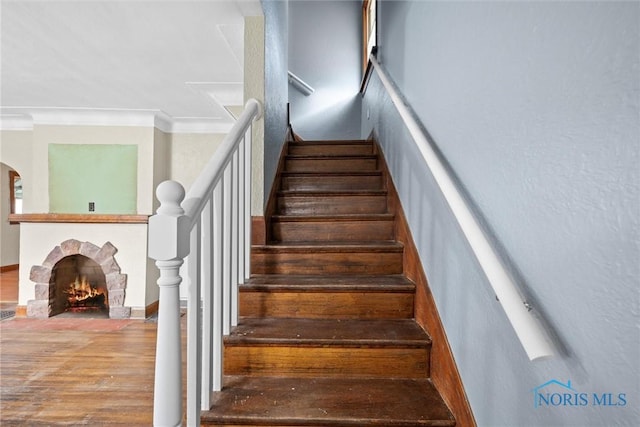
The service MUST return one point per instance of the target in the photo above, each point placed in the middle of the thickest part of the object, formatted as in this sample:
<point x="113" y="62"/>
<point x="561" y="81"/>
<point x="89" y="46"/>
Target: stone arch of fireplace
<point x="116" y="282"/>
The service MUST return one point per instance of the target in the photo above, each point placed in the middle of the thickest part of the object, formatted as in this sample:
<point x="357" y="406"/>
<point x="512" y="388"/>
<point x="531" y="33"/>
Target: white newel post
<point x="169" y="245"/>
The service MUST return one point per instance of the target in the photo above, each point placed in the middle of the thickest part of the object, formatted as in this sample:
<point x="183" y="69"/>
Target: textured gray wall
<point x="324" y="45"/>
<point x="275" y="86"/>
<point x="535" y="105"/>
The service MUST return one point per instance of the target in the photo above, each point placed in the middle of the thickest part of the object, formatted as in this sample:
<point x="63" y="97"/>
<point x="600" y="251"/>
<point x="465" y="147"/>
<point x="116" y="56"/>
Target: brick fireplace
<point x="76" y="264"/>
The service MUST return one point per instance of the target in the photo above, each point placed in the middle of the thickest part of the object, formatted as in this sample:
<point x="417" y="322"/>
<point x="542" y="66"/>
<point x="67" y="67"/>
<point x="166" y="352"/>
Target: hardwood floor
<point x="69" y="371"/>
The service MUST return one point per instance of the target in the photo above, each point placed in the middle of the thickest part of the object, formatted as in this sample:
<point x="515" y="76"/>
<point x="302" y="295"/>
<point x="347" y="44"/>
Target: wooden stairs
<point x="326" y="334"/>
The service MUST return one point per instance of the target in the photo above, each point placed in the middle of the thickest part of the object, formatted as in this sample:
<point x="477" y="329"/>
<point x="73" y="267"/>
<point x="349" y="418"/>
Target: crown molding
<point x="16" y="122"/>
<point x="25" y="118"/>
<point x="200" y="125"/>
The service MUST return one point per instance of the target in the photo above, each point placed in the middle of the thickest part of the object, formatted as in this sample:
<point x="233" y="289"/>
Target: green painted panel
<point x="106" y="175"/>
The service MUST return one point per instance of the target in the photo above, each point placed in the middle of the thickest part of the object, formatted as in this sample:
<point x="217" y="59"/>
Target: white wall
<point x="535" y="105"/>
<point x="15" y="153"/>
<point x="324" y="50"/>
<point x="189" y="153"/>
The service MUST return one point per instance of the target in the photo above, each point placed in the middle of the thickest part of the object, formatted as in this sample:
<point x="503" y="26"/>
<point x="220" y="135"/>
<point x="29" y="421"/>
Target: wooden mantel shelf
<point x="79" y="218"/>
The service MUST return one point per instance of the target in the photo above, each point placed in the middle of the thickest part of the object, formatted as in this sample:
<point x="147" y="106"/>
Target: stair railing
<point x="300" y="84"/>
<point x="529" y="328"/>
<point x="210" y="227"/>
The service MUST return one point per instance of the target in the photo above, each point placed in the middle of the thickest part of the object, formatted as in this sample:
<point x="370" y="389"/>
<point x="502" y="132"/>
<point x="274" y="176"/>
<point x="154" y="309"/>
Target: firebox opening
<point x="78" y="286"/>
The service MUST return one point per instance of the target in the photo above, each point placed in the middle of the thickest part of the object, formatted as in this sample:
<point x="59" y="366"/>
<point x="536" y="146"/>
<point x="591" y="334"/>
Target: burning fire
<point x="81" y="293"/>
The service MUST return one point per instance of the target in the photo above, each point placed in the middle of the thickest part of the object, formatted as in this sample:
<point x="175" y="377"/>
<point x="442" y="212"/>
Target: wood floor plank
<point x="95" y="376"/>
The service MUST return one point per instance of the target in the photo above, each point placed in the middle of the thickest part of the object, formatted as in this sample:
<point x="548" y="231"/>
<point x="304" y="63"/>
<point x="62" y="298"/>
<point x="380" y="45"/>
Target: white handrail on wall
<point x="533" y="336"/>
<point x="210" y="226"/>
<point x="300" y="84"/>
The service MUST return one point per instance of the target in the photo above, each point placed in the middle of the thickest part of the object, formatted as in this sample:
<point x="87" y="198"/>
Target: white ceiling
<point x="82" y="60"/>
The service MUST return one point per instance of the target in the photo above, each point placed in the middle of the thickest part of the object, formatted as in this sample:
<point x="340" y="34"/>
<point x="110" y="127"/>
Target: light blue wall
<point x="275" y="86"/>
<point x="324" y="51"/>
<point x="535" y="105"/>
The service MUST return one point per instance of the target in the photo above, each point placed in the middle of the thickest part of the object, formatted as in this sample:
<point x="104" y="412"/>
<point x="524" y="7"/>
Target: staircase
<point x="326" y="334"/>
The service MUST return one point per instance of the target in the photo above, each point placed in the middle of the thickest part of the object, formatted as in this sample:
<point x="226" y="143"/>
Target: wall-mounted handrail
<point x="300" y="84"/>
<point x="209" y="229"/>
<point x="529" y="329"/>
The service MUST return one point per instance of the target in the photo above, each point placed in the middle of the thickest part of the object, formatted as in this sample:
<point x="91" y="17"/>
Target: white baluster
<point x="207" y="303"/>
<point x="218" y="279"/>
<point x="194" y="330"/>
<point x="247" y="203"/>
<point x="241" y="212"/>
<point x="235" y="196"/>
<point x="226" y="250"/>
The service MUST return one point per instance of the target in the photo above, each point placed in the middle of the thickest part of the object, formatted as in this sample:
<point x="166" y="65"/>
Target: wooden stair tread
<point x="329" y="332"/>
<point x="331" y="142"/>
<point x="327" y="402"/>
<point x="323" y="193"/>
<point x="331" y="201"/>
<point x="330" y="173"/>
<point x="284" y="282"/>
<point x="334" y="217"/>
<point x="333" y="246"/>
<point x="294" y="145"/>
<point x="329" y="156"/>
<point x="324" y="162"/>
<point x="332" y="181"/>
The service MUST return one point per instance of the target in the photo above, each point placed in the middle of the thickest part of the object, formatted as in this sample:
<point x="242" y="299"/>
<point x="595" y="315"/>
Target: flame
<point x="81" y="290"/>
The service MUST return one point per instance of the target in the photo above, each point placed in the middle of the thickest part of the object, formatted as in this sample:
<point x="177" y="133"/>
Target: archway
<point x="9" y="240"/>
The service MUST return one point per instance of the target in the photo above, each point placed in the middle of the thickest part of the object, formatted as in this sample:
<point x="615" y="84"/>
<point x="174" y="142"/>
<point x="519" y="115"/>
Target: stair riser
<point x="330" y="149"/>
<point x="323" y="305"/>
<point x="366" y="263"/>
<point x="346" y="362"/>
<point x="331" y="165"/>
<point x="315" y="231"/>
<point x="331" y="205"/>
<point x="324" y="183"/>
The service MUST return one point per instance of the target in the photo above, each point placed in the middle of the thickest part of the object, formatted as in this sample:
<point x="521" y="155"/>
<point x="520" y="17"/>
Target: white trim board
<point x="25" y="118"/>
